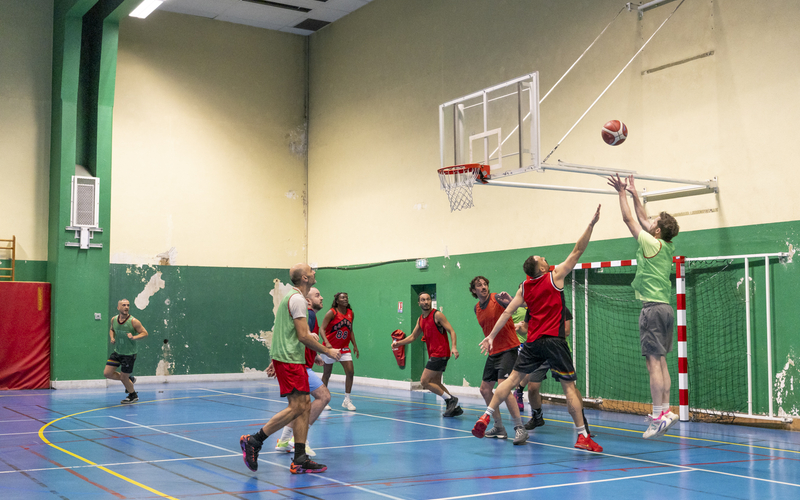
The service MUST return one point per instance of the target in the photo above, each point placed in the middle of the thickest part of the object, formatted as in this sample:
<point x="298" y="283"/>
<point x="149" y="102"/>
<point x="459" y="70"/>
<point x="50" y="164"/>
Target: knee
<point x="486" y="390"/>
<point x="325" y="397"/>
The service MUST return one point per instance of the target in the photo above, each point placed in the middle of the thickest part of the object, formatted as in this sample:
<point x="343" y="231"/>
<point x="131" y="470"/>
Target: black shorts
<point x="437" y="364"/>
<point x="499" y="366"/>
<point x="547" y="349"/>
<point x="122" y="360"/>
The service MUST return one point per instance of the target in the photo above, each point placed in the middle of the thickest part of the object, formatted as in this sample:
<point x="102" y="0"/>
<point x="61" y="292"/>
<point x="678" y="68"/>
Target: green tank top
<point x="122" y="344"/>
<point x="286" y="348"/>
<point x="651" y="282"/>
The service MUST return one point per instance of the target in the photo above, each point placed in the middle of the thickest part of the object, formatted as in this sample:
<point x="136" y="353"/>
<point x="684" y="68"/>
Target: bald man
<point x="125" y="331"/>
<point x="290" y="338"/>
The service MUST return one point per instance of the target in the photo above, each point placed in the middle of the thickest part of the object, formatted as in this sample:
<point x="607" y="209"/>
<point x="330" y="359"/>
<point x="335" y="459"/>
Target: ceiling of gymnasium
<point x="301" y="17"/>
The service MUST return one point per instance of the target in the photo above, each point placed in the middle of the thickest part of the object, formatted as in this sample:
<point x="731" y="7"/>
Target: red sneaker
<point x="480" y="426"/>
<point x="586" y="443"/>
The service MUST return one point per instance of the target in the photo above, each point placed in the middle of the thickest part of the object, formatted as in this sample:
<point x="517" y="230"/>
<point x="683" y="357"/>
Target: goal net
<point x="606" y="318"/>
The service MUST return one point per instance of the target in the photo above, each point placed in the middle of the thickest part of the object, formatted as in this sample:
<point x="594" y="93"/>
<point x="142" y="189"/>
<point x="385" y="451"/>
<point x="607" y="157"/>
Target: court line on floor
<point x="326" y="478"/>
<point x="105" y="469"/>
<point x="579" y="483"/>
<point x="566" y="448"/>
<point x="129" y="427"/>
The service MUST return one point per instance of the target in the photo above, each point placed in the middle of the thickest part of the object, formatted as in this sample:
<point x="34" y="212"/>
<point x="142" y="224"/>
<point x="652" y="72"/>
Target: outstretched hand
<point x="631" y="188"/>
<point x="596" y="216"/>
<point x="618" y="184"/>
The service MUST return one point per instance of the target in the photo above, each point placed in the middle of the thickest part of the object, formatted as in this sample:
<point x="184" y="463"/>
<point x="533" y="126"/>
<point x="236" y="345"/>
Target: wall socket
<point x="98" y="316"/>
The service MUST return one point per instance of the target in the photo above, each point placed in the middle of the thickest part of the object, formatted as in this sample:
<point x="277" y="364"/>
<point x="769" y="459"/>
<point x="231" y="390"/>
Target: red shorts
<point x="291" y="378"/>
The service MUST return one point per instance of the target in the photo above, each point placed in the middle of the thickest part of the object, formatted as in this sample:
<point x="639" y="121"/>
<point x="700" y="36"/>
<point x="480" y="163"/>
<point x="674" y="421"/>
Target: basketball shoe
<point x="520" y="435"/>
<point x="348" y="405"/>
<point x="537" y="420"/>
<point x="305" y="465"/>
<point x="450" y="409"/>
<point x="496" y="432"/>
<point x="285" y="446"/>
<point x="480" y="426"/>
<point x="586" y="443"/>
<point x="670" y="419"/>
<point x="250" y="449"/>
<point x="655" y="425"/>
<point x="132" y="398"/>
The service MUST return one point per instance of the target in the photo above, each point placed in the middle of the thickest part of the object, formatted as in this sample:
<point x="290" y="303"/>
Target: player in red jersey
<point x="337" y="330"/>
<point x="502" y="357"/>
<point x="432" y="325"/>
<point x="543" y="293"/>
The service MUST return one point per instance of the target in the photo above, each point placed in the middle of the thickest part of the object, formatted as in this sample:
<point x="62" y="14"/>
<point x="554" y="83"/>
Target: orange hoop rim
<point x="482" y="172"/>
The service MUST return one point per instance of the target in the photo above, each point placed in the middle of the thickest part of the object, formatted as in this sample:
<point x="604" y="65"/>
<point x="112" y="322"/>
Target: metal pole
<point x="547" y="187"/>
<point x="769" y="335"/>
<point x="441" y="137"/>
<point x="747" y="320"/>
<point x="519" y="122"/>
<point x="485" y="128"/>
<point x="586" y="325"/>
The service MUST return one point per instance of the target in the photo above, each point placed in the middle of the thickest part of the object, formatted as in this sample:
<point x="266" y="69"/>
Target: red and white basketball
<point x="614" y="132"/>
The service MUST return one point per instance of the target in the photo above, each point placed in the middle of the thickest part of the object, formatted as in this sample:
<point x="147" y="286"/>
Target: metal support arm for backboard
<point x="689" y="188"/>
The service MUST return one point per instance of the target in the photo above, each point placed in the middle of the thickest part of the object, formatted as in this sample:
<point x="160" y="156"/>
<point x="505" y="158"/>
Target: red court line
<point x="74" y="473"/>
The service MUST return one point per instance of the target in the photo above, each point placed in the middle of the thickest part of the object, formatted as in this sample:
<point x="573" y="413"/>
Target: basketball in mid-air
<point x="614" y="132"/>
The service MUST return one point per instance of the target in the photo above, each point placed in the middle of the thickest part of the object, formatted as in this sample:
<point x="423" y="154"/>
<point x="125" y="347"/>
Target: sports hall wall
<point x="209" y="162"/>
<point x="378" y="76"/>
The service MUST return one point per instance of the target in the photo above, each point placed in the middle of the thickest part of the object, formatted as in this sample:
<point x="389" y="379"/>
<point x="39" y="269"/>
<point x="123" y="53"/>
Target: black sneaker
<point x="452" y="404"/>
<point x="458" y="411"/>
<point x="305" y="465"/>
<point x="250" y="449"/>
<point x="534" y="422"/>
<point x="132" y="398"/>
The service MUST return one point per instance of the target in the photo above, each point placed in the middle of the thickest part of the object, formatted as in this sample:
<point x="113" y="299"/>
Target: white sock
<point x="446" y="396"/>
<point x="347" y="396"/>
<point x="287" y="434"/>
<point x="517" y="421"/>
<point x="656" y="411"/>
<point x="665" y="407"/>
<point x="582" y="430"/>
<point x="489" y="411"/>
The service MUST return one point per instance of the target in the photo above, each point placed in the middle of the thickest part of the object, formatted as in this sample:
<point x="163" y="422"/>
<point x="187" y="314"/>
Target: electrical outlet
<point x="98" y="316"/>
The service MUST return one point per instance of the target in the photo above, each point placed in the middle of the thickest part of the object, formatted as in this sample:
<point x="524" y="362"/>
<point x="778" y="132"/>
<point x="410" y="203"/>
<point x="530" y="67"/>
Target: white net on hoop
<point x="457" y="182"/>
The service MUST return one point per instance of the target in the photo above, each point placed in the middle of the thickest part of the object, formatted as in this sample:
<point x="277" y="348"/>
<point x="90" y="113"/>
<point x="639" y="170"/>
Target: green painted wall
<point x="374" y="292"/>
<point x="210" y="317"/>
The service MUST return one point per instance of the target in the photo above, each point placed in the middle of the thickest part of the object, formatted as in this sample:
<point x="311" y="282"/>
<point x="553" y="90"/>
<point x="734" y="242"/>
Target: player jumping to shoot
<point x="653" y="288"/>
<point x="543" y="293"/>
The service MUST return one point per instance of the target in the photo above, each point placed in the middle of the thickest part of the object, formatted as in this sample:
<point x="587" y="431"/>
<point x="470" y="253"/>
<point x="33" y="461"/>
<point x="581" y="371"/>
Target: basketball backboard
<point x="496" y="126"/>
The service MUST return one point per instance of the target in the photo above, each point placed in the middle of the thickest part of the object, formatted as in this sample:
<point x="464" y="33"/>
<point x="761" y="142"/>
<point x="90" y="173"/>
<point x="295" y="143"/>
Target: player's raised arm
<point x="620" y="187"/>
<point x="638" y="207"/>
<point x="563" y="269"/>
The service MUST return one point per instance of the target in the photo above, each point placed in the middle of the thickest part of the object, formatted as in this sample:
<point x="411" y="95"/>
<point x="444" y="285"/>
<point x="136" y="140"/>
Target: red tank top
<point x="545" y="303"/>
<point x="339" y="330"/>
<point x="435" y="336"/>
<point x="311" y="355"/>
<point x="507" y="337"/>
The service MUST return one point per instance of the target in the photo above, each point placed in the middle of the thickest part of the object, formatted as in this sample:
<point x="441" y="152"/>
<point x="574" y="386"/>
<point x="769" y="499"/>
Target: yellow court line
<point x="595" y="426"/>
<point x="124" y="478"/>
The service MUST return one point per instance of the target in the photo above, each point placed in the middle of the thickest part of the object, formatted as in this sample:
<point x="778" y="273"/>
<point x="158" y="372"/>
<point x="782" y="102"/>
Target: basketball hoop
<point x="457" y="182"/>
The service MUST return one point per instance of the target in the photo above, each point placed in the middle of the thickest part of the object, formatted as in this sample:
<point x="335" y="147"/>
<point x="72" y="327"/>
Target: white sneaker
<point x="348" y="405"/>
<point x="309" y="451"/>
<point x="327" y="407"/>
<point x="655" y="425"/>
<point x="670" y="419"/>
<point x="285" y="446"/>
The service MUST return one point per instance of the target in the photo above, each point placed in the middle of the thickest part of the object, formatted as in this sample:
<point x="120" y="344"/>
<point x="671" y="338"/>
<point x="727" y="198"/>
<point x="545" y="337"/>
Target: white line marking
<point x="131" y="426"/>
<point x="561" y="485"/>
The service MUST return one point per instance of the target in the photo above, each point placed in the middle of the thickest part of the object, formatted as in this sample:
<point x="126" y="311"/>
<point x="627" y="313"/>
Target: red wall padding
<point x="24" y="335"/>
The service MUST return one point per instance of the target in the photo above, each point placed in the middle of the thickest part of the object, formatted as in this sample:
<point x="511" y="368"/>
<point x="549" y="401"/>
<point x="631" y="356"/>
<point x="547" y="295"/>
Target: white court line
<point x="562" y="485"/>
<point x="683" y="467"/>
<point x="326" y="478"/>
<point x="130" y="426"/>
<point x="137" y="462"/>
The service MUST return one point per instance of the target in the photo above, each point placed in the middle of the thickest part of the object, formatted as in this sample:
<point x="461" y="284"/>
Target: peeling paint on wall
<point x="292" y="195"/>
<point x="165" y="364"/>
<point x="154" y="285"/>
<point x="464" y="383"/>
<point x="784" y="385"/>
<point x="278" y="292"/>
<point x="263" y="337"/>
<point x="297" y="139"/>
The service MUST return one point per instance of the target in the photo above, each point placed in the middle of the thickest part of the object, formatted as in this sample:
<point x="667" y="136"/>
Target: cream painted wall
<point x="378" y="76"/>
<point x="208" y="144"/>
<point x="26" y="28"/>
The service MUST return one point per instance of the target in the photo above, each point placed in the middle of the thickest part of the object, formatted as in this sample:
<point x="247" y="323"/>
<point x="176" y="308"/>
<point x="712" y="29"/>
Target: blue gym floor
<point x="181" y="441"/>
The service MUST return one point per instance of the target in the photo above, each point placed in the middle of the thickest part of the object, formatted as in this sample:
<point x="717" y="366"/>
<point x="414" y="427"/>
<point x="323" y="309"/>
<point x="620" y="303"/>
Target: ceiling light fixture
<point x="146" y="8"/>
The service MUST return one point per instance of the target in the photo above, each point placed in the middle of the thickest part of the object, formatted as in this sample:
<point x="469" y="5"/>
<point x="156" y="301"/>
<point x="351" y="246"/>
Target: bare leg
<point x="666" y="382"/>
<point x="321" y="398"/>
<point x="656" y="378"/>
<point x="534" y="396"/>
<point x="111" y="373"/>
<point x="505" y="389"/>
<point x="574" y="401"/>
<point x="432" y="381"/>
<point x="326" y="374"/>
<point x="298" y="408"/>
<point x="126" y="381"/>
<point x="348" y="375"/>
